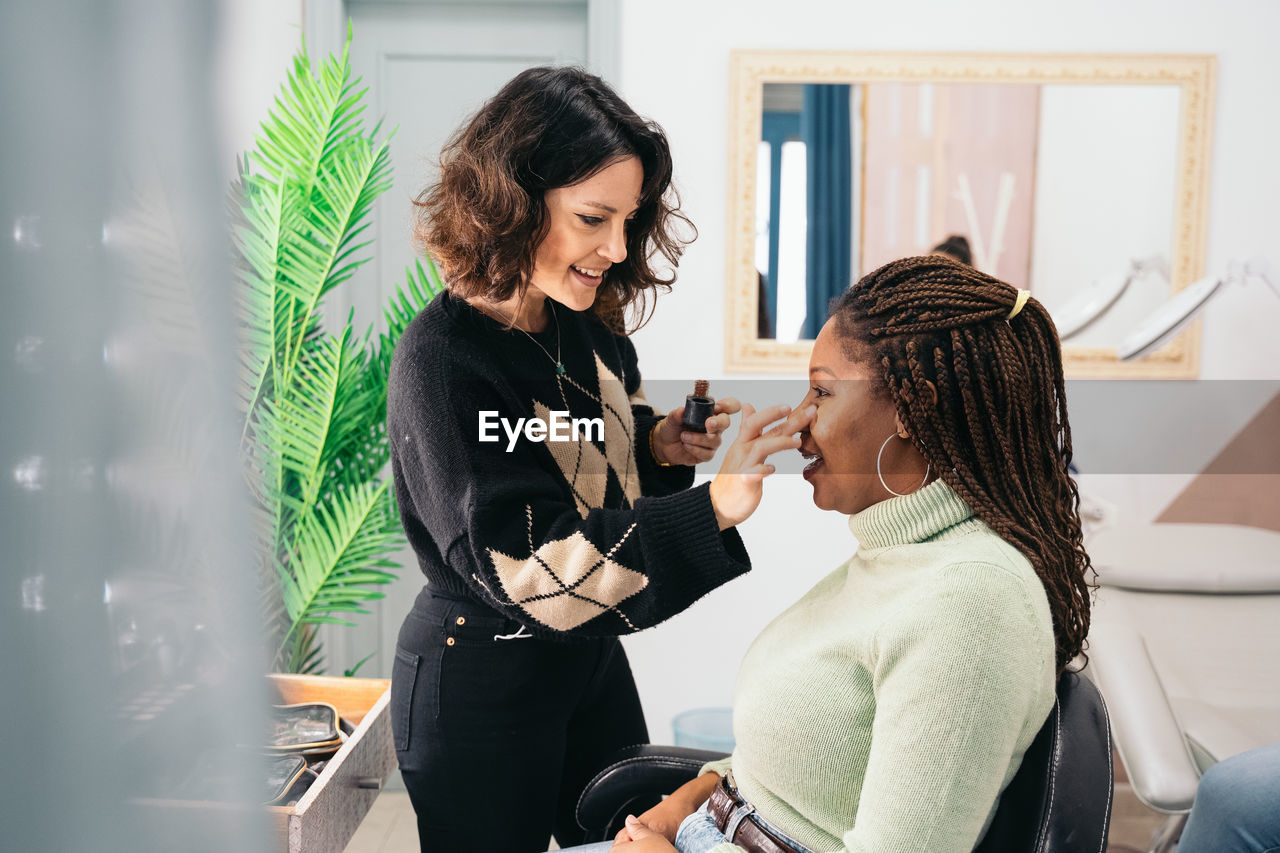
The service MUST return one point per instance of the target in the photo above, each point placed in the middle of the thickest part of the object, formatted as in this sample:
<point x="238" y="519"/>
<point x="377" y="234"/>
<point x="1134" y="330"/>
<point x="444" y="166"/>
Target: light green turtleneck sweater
<point x="887" y="709"/>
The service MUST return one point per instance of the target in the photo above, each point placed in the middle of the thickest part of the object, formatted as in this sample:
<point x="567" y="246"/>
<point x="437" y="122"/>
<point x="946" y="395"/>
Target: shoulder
<point x="978" y="585"/>
<point x="439" y="365"/>
<point x="436" y="340"/>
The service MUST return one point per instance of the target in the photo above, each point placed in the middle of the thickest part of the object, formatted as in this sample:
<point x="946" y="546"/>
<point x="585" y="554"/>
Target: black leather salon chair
<point x="1058" y="802"/>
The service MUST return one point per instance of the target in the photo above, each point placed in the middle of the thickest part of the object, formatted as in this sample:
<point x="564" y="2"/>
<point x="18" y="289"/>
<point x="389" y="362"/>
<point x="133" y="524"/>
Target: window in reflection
<point x="793" y="232"/>
<point x="807" y="199"/>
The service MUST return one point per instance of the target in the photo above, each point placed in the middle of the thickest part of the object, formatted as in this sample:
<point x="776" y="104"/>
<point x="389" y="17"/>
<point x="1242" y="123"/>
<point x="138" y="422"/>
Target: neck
<point x="530" y="312"/>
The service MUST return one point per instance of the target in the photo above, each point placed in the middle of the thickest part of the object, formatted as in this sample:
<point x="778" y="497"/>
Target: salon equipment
<point x="1058" y="802"/>
<point x="1185" y="645"/>
<point x="1174" y="315"/>
<point x="1096" y="299"/>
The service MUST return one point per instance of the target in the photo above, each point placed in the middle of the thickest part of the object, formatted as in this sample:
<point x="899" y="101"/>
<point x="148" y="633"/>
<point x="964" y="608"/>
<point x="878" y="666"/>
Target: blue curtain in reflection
<point x="824" y="127"/>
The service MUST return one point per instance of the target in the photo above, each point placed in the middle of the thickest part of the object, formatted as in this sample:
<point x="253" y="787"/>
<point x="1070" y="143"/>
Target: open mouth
<point x="815" y="462"/>
<point x="591" y="278"/>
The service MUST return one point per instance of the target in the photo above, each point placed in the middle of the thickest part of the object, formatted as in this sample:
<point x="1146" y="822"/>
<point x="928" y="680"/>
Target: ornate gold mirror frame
<point x="1194" y="75"/>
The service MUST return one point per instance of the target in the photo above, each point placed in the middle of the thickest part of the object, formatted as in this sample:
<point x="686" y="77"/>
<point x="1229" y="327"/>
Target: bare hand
<point x="640" y="839"/>
<point x="677" y="446"/>
<point x="664" y="818"/>
<point x="738" y="487"/>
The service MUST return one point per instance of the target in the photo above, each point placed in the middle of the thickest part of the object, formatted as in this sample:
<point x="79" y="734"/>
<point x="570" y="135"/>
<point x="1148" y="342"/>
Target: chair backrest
<point x="1060" y="799"/>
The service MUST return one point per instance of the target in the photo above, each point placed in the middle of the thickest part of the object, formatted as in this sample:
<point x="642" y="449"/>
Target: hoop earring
<point x="881" y="476"/>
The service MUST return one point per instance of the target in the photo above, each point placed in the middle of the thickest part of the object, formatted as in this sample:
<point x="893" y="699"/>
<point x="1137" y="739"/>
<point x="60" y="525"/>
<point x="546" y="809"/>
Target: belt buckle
<point x="740" y="814"/>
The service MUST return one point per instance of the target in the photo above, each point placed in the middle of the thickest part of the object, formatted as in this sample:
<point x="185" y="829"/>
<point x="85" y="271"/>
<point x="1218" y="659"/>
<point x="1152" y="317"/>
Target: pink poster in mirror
<point x="944" y="159"/>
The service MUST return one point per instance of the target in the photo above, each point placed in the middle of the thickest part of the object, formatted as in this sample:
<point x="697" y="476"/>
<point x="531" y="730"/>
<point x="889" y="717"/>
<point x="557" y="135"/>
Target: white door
<point x="428" y="66"/>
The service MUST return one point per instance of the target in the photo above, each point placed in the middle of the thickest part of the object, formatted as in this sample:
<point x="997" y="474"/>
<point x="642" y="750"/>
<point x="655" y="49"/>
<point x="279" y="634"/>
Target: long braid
<point x="998" y="434"/>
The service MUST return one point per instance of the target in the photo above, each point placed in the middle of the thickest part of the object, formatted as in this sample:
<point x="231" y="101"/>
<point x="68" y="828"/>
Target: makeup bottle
<point x="698" y="407"/>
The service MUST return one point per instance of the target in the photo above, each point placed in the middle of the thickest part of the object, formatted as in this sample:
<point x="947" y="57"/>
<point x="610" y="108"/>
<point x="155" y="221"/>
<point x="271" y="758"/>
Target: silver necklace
<point x="560" y="371"/>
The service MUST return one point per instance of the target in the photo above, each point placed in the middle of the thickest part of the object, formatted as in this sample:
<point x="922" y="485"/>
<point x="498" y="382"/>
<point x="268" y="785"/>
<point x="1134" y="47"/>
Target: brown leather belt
<point x="736" y="819"/>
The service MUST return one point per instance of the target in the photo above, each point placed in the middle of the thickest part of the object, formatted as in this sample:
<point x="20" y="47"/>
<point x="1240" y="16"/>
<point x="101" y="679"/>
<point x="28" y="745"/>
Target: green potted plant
<point x="314" y="440"/>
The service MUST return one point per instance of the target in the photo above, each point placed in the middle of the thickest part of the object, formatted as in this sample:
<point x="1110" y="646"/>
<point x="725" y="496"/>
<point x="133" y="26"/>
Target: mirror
<point x="1081" y="178"/>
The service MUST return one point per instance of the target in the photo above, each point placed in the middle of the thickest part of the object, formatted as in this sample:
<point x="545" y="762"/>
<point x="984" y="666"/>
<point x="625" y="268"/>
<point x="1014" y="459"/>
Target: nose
<point x="799" y="420"/>
<point x="810" y="396"/>
<point x="614" y="248"/>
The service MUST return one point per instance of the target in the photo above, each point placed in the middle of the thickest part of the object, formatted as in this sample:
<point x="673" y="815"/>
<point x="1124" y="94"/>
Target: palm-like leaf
<point x="314" y="436"/>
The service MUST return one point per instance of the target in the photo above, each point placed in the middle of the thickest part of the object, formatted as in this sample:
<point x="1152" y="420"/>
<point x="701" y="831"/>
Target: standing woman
<point x="542" y="543"/>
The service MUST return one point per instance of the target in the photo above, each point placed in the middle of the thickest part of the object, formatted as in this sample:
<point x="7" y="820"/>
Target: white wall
<point x="674" y="68"/>
<point x="255" y="51"/>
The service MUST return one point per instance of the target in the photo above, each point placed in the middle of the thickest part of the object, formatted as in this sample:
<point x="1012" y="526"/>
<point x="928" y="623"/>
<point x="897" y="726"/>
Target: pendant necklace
<point x="560" y="371"/>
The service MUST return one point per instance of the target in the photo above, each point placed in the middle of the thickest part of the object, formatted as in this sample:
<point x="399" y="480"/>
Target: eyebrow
<point x="821" y="369"/>
<point x="599" y="205"/>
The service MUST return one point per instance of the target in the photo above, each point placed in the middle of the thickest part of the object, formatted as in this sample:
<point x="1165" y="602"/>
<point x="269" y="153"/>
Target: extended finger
<point x="763" y="448"/>
<point x="728" y="406"/>
<point x="753" y="424"/>
<point x="717" y="424"/>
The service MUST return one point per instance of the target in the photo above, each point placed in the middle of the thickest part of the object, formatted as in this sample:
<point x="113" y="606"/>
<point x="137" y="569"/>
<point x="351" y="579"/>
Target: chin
<point x="578" y="298"/>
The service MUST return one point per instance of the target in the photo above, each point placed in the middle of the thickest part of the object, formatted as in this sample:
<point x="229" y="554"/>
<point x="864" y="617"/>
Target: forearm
<point x="696" y="791"/>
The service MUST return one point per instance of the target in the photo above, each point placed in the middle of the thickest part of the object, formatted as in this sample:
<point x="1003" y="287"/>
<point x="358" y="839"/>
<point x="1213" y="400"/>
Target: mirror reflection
<point x="1063" y="189"/>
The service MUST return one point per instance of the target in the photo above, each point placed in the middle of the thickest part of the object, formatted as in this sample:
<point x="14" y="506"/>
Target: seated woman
<point x="888" y="708"/>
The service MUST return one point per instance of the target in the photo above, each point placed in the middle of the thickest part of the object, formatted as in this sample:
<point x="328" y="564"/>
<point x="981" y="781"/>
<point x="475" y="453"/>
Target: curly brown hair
<point x="548" y="128"/>
<point x="998" y="433"/>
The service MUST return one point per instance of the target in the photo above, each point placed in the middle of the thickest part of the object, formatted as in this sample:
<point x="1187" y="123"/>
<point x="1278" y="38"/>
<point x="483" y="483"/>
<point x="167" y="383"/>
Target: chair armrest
<point x="645" y="772"/>
<point x="1147" y="734"/>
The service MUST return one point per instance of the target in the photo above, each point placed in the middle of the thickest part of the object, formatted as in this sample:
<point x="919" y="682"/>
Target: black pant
<point x="497" y="737"/>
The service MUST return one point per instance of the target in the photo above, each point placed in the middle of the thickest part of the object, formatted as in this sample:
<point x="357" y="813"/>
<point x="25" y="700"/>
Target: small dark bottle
<point x="698" y="407"/>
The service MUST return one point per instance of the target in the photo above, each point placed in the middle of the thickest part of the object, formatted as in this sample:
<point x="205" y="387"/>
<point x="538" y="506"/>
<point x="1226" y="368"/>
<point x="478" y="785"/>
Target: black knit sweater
<point x="555" y="534"/>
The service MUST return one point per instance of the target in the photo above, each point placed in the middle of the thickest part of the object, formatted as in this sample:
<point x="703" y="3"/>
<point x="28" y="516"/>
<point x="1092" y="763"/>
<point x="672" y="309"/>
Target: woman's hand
<point x="738" y="487"/>
<point x="674" y="446"/>
<point x="640" y="839"/>
<point x="665" y="818"/>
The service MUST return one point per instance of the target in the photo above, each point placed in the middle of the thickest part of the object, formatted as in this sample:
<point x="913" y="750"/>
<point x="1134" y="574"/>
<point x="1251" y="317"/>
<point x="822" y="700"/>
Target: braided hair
<point x="998" y="434"/>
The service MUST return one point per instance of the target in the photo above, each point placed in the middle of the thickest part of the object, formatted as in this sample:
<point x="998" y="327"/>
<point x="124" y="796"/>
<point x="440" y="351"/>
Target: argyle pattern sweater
<point x="579" y="536"/>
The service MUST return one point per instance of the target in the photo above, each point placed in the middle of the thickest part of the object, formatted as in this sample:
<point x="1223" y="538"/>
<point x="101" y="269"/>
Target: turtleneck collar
<point x="916" y="517"/>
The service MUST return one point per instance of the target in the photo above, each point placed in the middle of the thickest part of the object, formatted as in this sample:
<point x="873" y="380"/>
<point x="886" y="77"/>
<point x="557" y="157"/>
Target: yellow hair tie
<point x="1023" y="296"/>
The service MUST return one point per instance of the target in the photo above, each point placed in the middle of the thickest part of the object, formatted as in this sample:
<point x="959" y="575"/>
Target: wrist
<point x="722" y="521"/>
<point x="653" y="448"/>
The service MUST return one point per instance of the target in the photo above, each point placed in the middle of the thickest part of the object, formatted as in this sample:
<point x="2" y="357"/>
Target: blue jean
<point x="697" y="834"/>
<point x="1237" y="807"/>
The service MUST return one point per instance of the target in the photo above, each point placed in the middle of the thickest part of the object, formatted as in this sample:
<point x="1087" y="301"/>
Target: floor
<point x="390" y="827"/>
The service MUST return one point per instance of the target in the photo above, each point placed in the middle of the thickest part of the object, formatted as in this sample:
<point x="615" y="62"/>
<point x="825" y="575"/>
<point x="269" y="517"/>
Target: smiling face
<point x="852" y="422"/>
<point x="586" y="233"/>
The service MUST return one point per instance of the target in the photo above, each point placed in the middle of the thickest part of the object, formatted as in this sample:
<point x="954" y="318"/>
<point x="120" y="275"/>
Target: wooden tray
<point x="329" y="813"/>
<point x="331" y="810"/>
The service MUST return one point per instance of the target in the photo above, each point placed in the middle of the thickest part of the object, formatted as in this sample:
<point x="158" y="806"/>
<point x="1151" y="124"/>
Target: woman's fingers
<point x="728" y="406"/>
<point x="717" y="424"/>
<point x="763" y="448"/>
<point x="753" y="422"/>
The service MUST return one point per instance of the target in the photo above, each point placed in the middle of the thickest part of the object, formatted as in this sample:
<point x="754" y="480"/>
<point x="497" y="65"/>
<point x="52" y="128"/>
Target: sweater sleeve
<point x="533" y="542"/>
<point x="655" y="479"/>
<point x="958" y="696"/>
